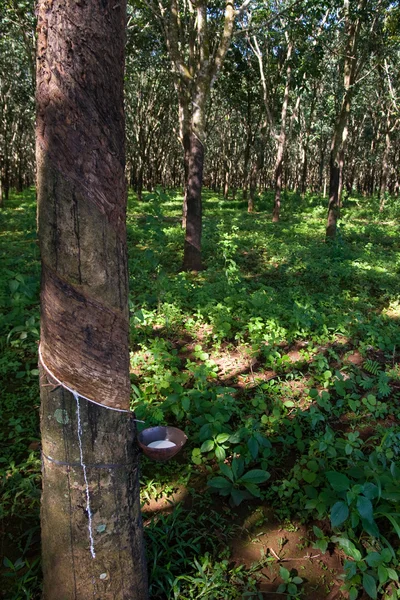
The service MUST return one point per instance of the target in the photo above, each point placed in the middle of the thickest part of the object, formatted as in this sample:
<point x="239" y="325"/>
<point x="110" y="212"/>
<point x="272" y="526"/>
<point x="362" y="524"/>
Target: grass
<point x="281" y="363"/>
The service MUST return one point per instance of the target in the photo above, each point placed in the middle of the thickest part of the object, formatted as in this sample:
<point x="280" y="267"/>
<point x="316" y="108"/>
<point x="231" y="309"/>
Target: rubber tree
<point x="16" y="102"/>
<point x="92" y="534"/>
<point x="391" y="112"/>
<point x="197" y="37"/>
<point x="362" y="35"/>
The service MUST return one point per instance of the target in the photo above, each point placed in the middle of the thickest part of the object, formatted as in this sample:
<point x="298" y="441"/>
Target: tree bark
<point x="352" y="64"/>
<point x="91" y="527"/>
<point x="195" y="70"/>
<point x="282" y="140"/>
<point x="117" y="571"/>
<point x="385" y="164"/>
<point x="192" y="249"/>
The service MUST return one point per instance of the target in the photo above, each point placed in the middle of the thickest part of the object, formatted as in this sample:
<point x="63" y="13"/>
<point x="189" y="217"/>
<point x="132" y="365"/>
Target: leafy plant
<point x="291" y="583"/>
<point x="237" y="483"/>
<point x="26" y="576"/>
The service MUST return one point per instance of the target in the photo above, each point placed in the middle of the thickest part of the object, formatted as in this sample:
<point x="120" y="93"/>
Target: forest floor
<point x="280" y="361"/>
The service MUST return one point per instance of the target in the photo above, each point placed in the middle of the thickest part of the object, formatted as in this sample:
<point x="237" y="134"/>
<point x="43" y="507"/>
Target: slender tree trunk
<point x="226" y="179"/>
<point x="186" y="160"/>
<point x="304" y="169"/>
<point x="139" y="183"/>
<point x="282" y="140"/>
<point x="278" y="183"/>
<point x="192" y="248"/>
<point x="92" y="535"/>
<point x="253" y="187"/>
<point x="351" y="64"/>
<point x="5" y="181"/>
<point x="385" y="167"/>
<point x="341" y="177"/>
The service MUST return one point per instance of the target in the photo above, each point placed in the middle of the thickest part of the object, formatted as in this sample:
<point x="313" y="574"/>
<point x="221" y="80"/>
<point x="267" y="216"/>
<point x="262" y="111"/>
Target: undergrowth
<point x="281" y="363"/>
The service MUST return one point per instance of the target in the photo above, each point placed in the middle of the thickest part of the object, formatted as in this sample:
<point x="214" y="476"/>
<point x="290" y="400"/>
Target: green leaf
<point x="365" y="509"/>
<point x="292" y="589"/>
<point x="186" y="403"/>
<point x="370" y="490"/>
<point x="226" y="471"/>
<point x="348" y="449"/>
<point x="255" y="476"/>
<point x="7" y="563"/>
<point x="222" y="437"/>
<point x="220" y="483"/>
<point x="392" y="574"/>
<point x="339" y="513"/>
<point x="340" y="388"/>
<point x="395" y="471"/>
<point x="297" y="580"/>
<point x="386" y="555"/>
<point x="353" y="593"/>
<point x="321" y="545"/>
<point x="13" y="285"/>
<point x="311" y="491"/>
<point x="220" y="453"/>
<point x="373" y="559"/>
<point x="237" y="496"/>
<point x="371" y="528"/>
<point x="312" y="465"/>
<point x="253" y="447"/>
<point x="339" y="481"/>
<point x="308" y="476"/>
<point x="284" y="574"/>
<point x="289" y="403"/>
<point x="348" y="547"/>
<point x="383" y="574"/>
<point x="253" y="489"/>
<point x="318" y="532"/>
<point x="369" y="586"/>
<point x="237" y="467"/>
<point x="207" y="446"/>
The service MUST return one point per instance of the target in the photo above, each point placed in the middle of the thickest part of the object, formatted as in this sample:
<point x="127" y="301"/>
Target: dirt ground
<point x="260" y="534"/>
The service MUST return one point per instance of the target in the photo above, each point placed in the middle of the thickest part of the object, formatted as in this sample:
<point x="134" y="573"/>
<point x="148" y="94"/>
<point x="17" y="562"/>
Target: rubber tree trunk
<point x="192" y="248"/>
<point x="194" y="160"/>
<point x="352" y="63"/>
<point x="253" y="187"/>
<point x="385" y="167"/>
<point x="282" y="140"/>
<point x="92" y="535"/>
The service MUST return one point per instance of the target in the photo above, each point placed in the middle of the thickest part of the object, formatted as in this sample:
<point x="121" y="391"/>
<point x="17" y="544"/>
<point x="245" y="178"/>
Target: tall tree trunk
<point x="385" y="166"/>
<point x="192" y="248"/>
<point x="196" y="70"/>
<point x="195" y="165"/>
<point x="304" y="168"/>
<point x="186" y="159"/>
<point x="226" y="178"/>
<point x="278" y="182"/>
<point x="352" y="64"/>
<point x="253" y="186"/>
<point x="91" y="525"/>
<point x="282" y="140"/>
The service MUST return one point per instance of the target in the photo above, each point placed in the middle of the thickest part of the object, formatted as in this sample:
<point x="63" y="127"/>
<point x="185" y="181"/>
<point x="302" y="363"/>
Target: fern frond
<point x="366" y="383"/>
<point x="372" y="366"/>
<point x="384" y="388"/>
